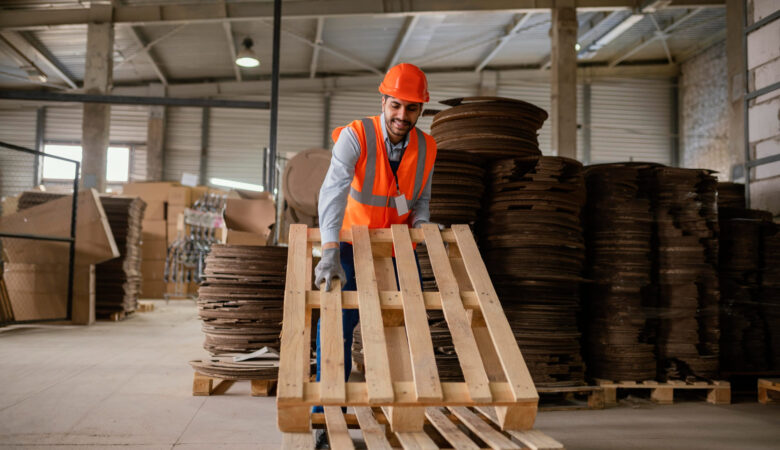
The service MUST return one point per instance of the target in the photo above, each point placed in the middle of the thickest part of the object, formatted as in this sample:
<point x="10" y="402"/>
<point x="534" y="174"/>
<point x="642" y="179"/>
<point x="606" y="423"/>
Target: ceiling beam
<point x="519" y="22"/>
<point x="232" y="49"/>
<point x="142" y="42"/>
<point x="253" y="10"/>
<point x="656" y="36"/>
<point x="28" y="44"/>
<point x="340" y="54"/>
<point x="402" y="40"/>
<point x="587" y="34"/>
<point x="315" y="51"/>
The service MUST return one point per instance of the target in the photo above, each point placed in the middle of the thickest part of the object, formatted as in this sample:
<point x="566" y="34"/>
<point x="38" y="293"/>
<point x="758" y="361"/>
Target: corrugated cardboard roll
<point x="303" y="177"/>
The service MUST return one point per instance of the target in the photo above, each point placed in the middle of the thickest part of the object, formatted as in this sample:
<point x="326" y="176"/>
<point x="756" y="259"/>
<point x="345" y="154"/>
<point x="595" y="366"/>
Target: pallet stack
<point x="620" y="327"/>
<point x="685" y="203"/>
<point x="533" y="246"/>
<point x="770" y="291"/>
<point x="240" y="300"/>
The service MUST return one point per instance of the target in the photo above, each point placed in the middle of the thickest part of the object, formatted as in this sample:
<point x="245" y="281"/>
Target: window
<point x="117" y="163"/>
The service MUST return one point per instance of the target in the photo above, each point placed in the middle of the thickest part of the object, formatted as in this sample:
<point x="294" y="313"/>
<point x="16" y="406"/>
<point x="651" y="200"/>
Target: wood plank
<point x="456" y="317"/>
<point x="94" y="241"/>
<point x="297" y="441"/>
<point x="416" y="440"/>
<point x="373" y="432"/>
<point x="492" y="437"/>
<point x="376" y="360"/>
<point x="509" y="354"/>
<point x="402" y="418"/>
<point x="332" y="388"/>
<point x="295" y="347"/>
<point x="424" y="370"/>
<point x="449" y="430"/>
<point x="338" y="434"/>
<point x="392" y="299"/>
<point x="379" y="235"/>
<point x="533" y="439"/>
<point x="453" y="394"/>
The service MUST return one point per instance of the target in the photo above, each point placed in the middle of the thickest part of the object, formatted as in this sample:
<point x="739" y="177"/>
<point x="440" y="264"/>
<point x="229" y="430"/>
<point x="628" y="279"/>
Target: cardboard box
<point x="252" y="215"/>
<point x="149" y="192"/>
<point x="154" y="249"/>
<point x="173" y="213"/>
<point x="40" y="291"/>
<point x="245" y="238"/>
<point x="152" y="289"/>
<point x="154" y="210"/>
<point x="179" y="196"/>
<point x="155" y="229"/>
<point x="173" y="233"/>
<point x="153" y="269"/>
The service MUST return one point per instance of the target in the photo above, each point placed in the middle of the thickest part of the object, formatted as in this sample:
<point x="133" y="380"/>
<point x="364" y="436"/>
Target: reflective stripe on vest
<point x="366" y="196"/>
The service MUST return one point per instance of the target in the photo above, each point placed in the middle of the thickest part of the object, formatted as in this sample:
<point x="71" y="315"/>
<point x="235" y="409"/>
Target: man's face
<point x="400" y="116"/>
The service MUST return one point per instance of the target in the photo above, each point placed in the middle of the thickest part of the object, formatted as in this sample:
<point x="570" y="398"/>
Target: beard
<point x="398" y="127"/>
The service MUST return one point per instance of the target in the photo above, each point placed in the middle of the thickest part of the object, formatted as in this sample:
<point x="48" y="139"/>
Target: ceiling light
<point x="577" y="47"/>
<point x="246" y="56"/>
<point x="235" y="184"/>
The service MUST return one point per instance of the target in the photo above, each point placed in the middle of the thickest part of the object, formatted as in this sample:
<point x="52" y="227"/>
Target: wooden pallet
<point x="718" y="392"/>
<point x="206" y="385"/>
<point x="145" y="307"/>
<point x="115" y="316"/>
<point x="394" y="325"/>
<point x="769" y="390"/>
<point x="454" y="427"/>
<point x="570" y="398"/>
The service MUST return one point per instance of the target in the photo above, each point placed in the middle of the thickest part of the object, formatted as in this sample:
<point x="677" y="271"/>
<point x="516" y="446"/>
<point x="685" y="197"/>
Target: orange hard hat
<point x="406" y="82"/>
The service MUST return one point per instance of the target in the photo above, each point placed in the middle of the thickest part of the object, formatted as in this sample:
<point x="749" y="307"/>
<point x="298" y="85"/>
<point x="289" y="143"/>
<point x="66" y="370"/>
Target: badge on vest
<point x="400" y="205"/>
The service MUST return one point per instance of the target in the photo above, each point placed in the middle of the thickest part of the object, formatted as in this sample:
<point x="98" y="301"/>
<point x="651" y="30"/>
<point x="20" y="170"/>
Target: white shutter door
<point x="63" y="123"/>
<point x="631" y="120"/>
<point x="301" y="123"/>
<point x="17" y="127"/>
<point x="128" y="124"/>
<point x="182" y="142"/>
<point x="349" y="105"/>
<point x="237" y="139"/>
<point x="538" y="94"/>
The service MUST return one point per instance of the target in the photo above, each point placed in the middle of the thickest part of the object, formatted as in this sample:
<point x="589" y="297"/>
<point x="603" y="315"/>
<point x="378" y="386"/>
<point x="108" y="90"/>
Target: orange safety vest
<point x="372" y="191"/>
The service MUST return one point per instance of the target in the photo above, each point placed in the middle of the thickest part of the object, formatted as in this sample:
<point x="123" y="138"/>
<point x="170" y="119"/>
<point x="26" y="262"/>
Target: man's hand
<point x="420" y="223"/>
<point x="329" y="268"/>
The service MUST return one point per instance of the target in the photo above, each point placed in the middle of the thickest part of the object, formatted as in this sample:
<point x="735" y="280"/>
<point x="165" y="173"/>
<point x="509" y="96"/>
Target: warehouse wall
<point x="763" y="60"/>
<point x="704" y="125"/>
<point x="17" y="127"/>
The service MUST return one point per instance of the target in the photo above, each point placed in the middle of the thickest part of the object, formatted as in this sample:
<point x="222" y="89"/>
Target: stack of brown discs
<point x="770" y="290"/>
<point x="225" y="368"/>
<point x="619" y="230"/>
<point x="731" y="195"/>
<point x="493" y="127"/>
<point x="744" y="335"/>
<point x="534" y="250"/>
<point x="241" y="298"/>
<point x="457" y="187"/>
<point x="118" y="281"/>
<point x="686" y="215"/>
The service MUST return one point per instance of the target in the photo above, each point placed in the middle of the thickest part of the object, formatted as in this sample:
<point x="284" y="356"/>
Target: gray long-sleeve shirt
<point x="335" y="188"/>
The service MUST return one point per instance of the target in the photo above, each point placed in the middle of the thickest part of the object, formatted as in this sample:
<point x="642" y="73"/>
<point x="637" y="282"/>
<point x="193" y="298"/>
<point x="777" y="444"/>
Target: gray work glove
<point x="329" y="267"/>
<point x="420" y="223"/>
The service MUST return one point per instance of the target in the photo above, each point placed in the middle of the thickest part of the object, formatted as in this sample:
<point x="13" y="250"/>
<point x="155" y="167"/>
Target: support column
<point x="563" y="92"/>
<point x="97" y="80"/>
<point x="40" y="133"/>
<point x="155" y="136"/>
<point x="205" y="126"/>
<point x="735" y="69"/>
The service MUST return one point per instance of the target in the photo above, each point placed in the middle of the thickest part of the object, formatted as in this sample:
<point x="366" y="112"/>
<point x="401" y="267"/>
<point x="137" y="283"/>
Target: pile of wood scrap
<point x="118" y="281"/>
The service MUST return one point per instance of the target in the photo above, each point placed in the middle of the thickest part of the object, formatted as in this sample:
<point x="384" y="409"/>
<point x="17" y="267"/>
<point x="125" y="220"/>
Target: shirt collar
<point x="404" y="142"/>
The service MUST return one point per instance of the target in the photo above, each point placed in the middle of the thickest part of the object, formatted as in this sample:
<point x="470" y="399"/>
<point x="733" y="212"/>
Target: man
<point x="380" y="174"/>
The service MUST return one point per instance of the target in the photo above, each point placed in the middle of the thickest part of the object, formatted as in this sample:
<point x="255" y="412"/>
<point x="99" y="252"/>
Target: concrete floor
<point x="128" y="384"/>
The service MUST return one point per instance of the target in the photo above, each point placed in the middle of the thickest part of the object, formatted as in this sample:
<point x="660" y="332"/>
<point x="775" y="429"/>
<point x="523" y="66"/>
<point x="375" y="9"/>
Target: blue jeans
<point x="349" y="317"/>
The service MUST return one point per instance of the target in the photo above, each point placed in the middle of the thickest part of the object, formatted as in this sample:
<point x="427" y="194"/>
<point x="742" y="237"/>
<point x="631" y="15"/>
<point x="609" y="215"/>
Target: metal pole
<point x="275" y="92"/>
<point x="745" y="104"/>
<point x="266" y="187"/>
<point x="675" y="140"/>
<point x="586" y="136"/>
<point x="205" y="123"/>
<point x="40" y="133"/>
<point x="326" y="122"/>
<point x="72" y="254"/>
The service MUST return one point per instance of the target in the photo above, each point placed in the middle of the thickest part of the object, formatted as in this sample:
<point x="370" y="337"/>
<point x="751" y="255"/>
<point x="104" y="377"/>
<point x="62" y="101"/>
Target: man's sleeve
<point x="335" y="188"/>
<point x="422" y="206"/>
